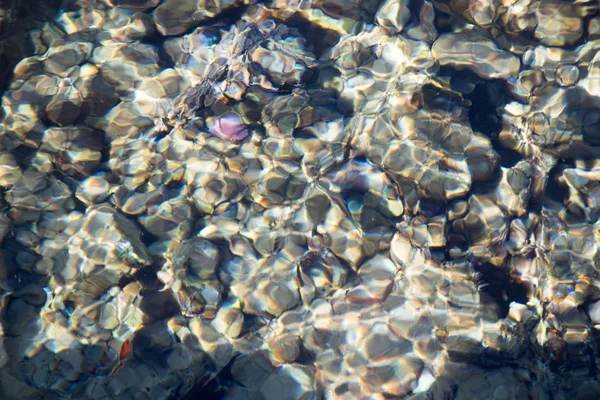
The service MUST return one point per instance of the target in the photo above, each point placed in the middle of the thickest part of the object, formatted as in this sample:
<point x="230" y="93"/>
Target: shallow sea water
<point x="299" y="199"/>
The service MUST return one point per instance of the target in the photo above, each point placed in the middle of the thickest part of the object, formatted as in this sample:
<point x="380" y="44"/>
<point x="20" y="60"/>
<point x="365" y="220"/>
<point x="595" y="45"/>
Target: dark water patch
<point x="165" y="60"/>
<point x="227" y="17"/>
<point x="103" y="100"/>
<point x="146" y="347"/>
<point x="556" y="191"/>
<point x="20" y="278"/>
<point x="497" y="283"/>
<point x="573" y="214"/>
<point x="319" y="38"/>
<point x="7" y="64"/>
<point x="438" y="255"/>
<point x="156" y="40"/>
<point x="443" y="22"/>
<point x="16" y="267"/>
<point x="414" y="7"/>
<point x="508" y="158"/>
<point x="302" y="133"/>
<point x="461" y="80"/>
<point x="432" y="207"/>
<point x="522" y="37"/>
<point x="487" y="99"/>
<point x="438" y="99"/>
<point x="583" y="110"/>
<point x="79" y="205"/>
<point x="215" y="388"/>
<point x="456" y="240"/>
<point x="207" y="391"/>
<point x="15" y="43"/>
<point x="147" y="237"/>
<point x="23" y="155"/>
<point x="159" y="305"/>
<point x="71" y="5"/>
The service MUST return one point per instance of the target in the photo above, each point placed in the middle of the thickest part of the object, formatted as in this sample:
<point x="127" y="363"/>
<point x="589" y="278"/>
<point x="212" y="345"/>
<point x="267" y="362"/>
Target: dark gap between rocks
<point x="501" y="288"/>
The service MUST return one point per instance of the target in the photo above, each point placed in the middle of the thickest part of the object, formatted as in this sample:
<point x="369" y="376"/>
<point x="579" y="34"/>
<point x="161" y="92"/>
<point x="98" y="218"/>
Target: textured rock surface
<point x="300" y="199"/>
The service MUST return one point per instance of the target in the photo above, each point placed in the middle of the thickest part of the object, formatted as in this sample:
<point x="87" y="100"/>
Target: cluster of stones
<point x="303" y="199"/>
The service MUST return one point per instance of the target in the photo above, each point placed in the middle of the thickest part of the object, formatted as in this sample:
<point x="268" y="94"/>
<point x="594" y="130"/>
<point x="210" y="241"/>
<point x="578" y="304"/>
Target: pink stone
<point x="229" y="127"/>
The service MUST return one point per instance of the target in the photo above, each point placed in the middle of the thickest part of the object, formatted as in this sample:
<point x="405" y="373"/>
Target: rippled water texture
<point x="299" y="199"/>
